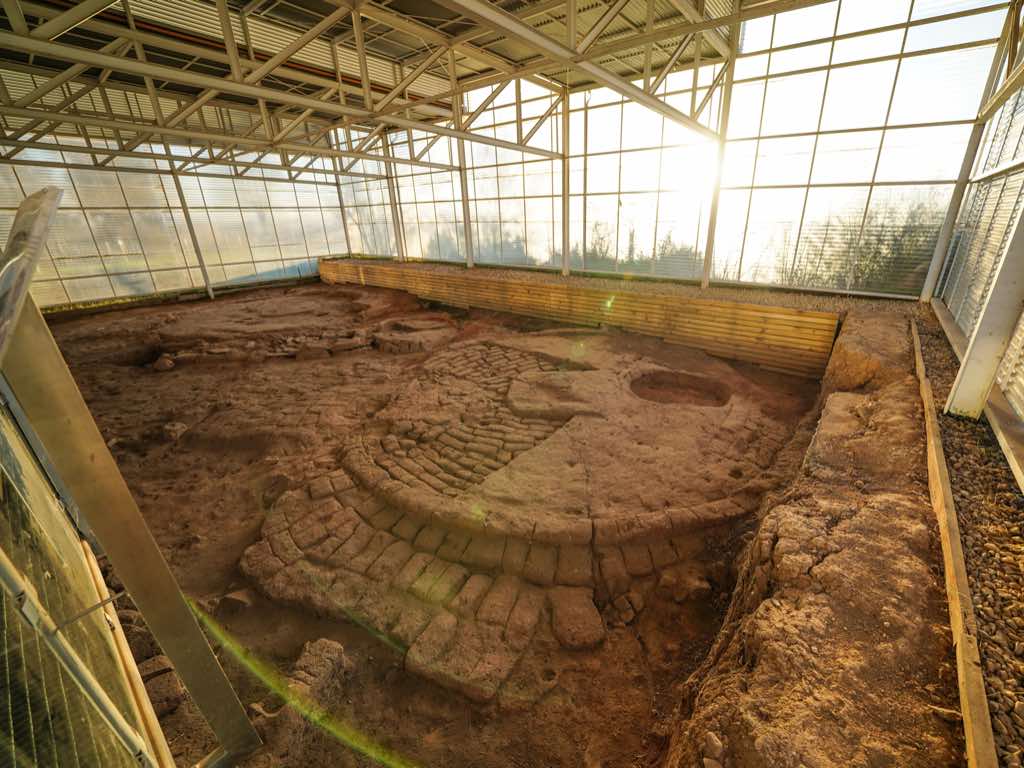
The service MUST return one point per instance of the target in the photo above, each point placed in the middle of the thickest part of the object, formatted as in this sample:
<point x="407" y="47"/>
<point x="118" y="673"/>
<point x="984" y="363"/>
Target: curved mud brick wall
<point x="486" y="503"/>
<point x="830" y="653"/>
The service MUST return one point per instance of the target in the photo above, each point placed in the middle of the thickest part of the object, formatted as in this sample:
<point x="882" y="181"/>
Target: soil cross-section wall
<point x="834" y="651"/>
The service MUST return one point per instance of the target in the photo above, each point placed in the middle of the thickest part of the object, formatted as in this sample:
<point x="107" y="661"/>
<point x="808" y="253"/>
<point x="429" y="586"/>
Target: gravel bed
<point x="990" y="510"/>
<point x="782" y="298"/>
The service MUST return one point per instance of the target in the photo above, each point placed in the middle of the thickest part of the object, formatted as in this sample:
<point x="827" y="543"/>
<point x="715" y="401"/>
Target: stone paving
<point x="408" y="536"/>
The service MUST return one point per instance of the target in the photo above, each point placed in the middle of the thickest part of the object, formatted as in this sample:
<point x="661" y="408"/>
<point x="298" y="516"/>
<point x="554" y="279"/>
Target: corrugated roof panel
<point x="270" y="38"/>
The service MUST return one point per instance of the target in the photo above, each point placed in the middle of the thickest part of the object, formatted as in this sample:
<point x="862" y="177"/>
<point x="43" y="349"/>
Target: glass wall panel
<point x="847" y="127"/>
<point x="122" y="233"/>
<point x="847" y="192"/>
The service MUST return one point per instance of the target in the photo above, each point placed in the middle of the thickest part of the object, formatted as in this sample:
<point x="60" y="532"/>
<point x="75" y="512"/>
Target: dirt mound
<point x="835" y="649"/>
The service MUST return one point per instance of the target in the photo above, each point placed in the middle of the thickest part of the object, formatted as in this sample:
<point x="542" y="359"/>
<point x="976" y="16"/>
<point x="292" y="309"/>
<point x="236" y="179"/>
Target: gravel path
<point x="990" y="509"/>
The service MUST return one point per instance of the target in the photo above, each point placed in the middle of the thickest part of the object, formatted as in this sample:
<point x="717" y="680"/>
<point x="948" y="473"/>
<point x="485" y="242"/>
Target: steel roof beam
<point x="164" y="157"/>
<point x="602" y="24"/>
<point x="203" y="136"/>
<point x="70" y="19"/>
<point x="208" y="53"/>
<point x="249" y="90"/>
<point x="15" y="16"/>
<point x="689" y="11"/>
<point x="555" y="50"/>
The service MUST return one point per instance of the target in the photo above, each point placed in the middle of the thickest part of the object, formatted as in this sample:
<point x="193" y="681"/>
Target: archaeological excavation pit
<point x="512" y="384"/>
<point x="482" y="539"/>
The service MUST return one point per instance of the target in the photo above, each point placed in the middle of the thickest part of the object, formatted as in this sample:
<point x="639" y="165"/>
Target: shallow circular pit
<point x="678" y="388"/>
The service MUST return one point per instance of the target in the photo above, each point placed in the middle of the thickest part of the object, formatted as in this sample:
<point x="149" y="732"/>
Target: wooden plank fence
<point x="793" y="341"/>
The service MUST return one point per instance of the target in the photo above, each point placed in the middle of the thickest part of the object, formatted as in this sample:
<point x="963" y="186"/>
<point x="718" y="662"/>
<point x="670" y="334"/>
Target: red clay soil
<point x="227" y="416"/>
<point x="836" y="650"/>
<point x="480" y="540"/>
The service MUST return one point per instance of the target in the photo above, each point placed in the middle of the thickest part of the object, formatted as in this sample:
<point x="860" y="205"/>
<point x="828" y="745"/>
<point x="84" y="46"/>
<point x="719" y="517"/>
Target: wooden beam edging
<point x="792" y="341"/>
<point x="140" y="699"/>
<point x="981" y="748"/>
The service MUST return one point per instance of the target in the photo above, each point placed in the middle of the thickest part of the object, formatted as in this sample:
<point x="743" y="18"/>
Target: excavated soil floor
<point x="474" y="539"/>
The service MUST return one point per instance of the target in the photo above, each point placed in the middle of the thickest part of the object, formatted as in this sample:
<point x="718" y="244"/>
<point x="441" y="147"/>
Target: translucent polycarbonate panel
<point x="792" y="104"/>
<point x="113" y="231"/>
<point x="846" y="157"/>
<point x="290" y="236"/>
<point x="143" y="190"/>
<point x="738" y="164"/>
<point x="128" y="262"/>
<point x="44" y="717"/>
<point x="829" y="233"/>
<point x="756" y="34"/>
<point x="934" y="153"/>
<point x="70" y="236"/>
<point x="745" y="112"/>
<point x="637" y="227"/>
<point x="134" y="284"/>
<point x="962" y="75"/>
<point x="926" y="9"/>
<point x="871" y="14"/>
<point x="732" y="218"/>
<point x="872" y="83"/>
<point x="88" y="288"/>
<point x="979" y="240"/>
<point x="864" y="161"/>
<point x="771" y="233"/>
<point x="33" y="179"/>
<point x="259" y="228"/>
<point x="899" y="234"/>
<point x="313" y="232"/>
<point x="1010" y="375"/>
<point x="97" y="189"/>
<point x="956" y="31"/>
<point x="218" y="193"/>
<point x="306" y="196"/>
<point x="796" y="59"/>
<point x="876" y="45"/>
<point x="10" y="189"/>
<point x="251" y="193"/>
<point x="229" y="232"/>
<point x="784" y="161"/>
<point x="751" y="66"/>
<point x="49" y="292"/>
<point x="805" y="24"/>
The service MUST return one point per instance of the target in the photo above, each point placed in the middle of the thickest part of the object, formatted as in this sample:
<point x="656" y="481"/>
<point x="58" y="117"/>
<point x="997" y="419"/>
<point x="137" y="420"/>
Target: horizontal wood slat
<point x="781" y="339"/>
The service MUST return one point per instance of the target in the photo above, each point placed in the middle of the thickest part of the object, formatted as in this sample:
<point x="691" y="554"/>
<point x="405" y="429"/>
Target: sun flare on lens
<point x="309" y="709"/>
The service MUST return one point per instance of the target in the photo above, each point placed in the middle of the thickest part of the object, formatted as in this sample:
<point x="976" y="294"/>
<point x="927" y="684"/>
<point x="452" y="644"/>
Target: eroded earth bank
<point x="481" y="540"/>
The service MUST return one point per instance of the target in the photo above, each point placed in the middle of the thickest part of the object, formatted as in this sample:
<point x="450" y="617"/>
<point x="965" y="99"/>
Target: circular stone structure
<point x="499" y="489"/>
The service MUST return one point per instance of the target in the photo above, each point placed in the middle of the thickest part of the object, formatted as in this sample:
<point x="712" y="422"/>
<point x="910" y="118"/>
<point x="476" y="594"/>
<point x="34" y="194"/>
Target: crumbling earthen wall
<point x="832" y="651"/>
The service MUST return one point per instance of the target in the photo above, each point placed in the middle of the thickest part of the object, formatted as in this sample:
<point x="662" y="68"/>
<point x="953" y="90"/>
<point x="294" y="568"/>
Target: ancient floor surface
<point x="522" y="535"/>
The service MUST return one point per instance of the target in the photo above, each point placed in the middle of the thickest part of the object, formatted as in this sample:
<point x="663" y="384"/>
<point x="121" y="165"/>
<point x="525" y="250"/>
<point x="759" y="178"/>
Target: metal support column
<point x="341" y="200"/>
<point x="723" y="132"/>
<point x="970" y="154"/>
<point x="565" y="181"/>
<point x="396" y="215"/>
<point x="51" y="401"/>
<point x="467" y="224"/>
<point x="192" y="232"/>
<point x="992" y="333"/>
